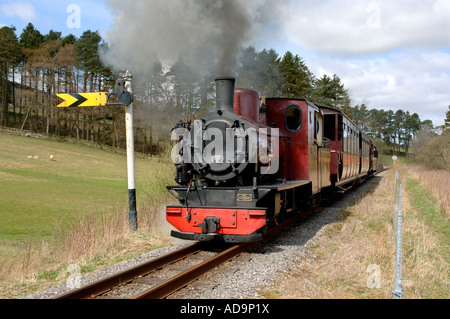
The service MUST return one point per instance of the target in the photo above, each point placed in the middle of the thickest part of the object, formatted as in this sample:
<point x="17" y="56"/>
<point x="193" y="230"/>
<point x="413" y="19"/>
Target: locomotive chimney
<point x="225" y="94"/>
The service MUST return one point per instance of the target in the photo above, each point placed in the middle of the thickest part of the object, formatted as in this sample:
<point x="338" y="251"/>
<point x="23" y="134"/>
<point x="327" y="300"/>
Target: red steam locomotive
<point x="254" y="162"/>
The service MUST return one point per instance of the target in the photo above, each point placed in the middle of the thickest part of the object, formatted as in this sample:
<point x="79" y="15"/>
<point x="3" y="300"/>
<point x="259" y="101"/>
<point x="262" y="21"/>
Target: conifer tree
<point x="30" y="37"/>
<point x="297" y="77"/>
<point x="447" y="122"/>
<point x="10" y="57"/>
<point x="331" y="92"/>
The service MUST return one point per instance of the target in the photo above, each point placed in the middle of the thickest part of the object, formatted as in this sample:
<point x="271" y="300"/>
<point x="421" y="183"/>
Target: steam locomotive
<point x="254" y="162"/>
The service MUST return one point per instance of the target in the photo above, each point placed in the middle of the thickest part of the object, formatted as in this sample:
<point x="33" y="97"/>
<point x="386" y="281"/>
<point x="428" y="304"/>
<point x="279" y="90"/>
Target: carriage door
<point x="312" y="145"/>
<point x="315" y="144"/>
<point x="318" y="139"/>
<point x="323" y="153"/>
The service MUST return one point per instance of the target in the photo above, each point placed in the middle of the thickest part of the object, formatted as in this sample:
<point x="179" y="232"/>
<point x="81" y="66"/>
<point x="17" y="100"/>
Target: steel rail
<point x="189" y="275"/>
<point x="97" y="288"/>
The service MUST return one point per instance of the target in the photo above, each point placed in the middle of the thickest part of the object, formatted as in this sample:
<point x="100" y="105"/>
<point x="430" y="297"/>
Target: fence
<point x="397" y="223"/>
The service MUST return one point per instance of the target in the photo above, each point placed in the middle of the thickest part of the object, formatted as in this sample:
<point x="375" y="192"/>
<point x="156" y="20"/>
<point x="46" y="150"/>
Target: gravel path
<point x="242" y="277"/>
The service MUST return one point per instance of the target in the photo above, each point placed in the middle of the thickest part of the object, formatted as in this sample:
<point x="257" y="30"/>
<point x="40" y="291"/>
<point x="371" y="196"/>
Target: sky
<point x="389" y="54"/>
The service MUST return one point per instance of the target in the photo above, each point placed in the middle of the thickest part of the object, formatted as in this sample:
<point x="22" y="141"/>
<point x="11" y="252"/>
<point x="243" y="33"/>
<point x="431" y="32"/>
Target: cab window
<point x="293" y="118"/>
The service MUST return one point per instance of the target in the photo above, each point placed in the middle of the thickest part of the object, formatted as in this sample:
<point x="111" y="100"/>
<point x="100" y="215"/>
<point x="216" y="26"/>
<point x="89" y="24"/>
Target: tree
<point x="10" y="57"/>
<point x="184" y="81"/>
<point x="52" y="36"/>
<point x="399" y="119"/>
<point x="86" y="50"/>
<point x="446" y="129"/>
<point x="330" y="91"/>
<point x="297" y="77"/>
<point x="260" y="71"/>
<point x="30" y="37"/>
<point x="411" y="126"/>
<point x="70" y="39"/>
<point x="247" y="70"/>
<point x="270" y="79"/>
<point x="361" y="115"/>
<point x="431" y="149"/>
<point x="435" y="153"/>
<point x="95" y="74"/>
<point x="422" y="137"/>
<point x="382" y="126"/>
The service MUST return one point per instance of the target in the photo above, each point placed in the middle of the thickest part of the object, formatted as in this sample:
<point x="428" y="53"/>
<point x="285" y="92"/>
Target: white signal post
<point x="122" y="95"/>
<point x="132" y="212"/>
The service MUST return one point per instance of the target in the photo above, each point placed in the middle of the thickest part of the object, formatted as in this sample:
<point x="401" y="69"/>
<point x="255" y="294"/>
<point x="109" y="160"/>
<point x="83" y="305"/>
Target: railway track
<point x="160" y="277"/>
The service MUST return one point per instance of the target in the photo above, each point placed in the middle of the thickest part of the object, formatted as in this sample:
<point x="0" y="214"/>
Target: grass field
<point x="35" y="194"/>
<point x="73" y="209"/>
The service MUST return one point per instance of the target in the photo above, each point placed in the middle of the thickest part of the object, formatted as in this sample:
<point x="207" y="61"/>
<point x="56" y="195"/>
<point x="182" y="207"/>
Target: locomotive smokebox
<point x="225" y="94"/>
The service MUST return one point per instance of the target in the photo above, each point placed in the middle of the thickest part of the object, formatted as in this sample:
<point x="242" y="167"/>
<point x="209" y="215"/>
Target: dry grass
<point x="427" y="235"/>
<point x="338" y="261"/>
<point x="435" y="181"/>
<point x="91" y="242"/>
<point x="338" y="258"/>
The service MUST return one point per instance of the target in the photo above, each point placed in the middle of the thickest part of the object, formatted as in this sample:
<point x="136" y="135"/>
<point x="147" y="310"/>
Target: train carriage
<point x="351" y="148"/>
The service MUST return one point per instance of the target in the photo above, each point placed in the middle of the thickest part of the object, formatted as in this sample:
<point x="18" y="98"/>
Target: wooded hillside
<point x="35" y="67"/>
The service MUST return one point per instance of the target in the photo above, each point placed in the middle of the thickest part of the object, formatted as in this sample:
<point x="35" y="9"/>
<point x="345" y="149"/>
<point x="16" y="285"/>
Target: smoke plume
<point x="206" y="34"/>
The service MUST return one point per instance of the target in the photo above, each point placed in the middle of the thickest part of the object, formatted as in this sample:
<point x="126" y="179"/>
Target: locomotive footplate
<point x="216" y="237"/>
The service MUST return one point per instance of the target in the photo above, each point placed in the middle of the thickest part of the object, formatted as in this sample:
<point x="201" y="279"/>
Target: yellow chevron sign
<point x="84" y="99"/>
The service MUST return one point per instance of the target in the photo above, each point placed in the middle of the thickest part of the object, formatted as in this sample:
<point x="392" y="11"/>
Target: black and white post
<point x="132" y="212"/>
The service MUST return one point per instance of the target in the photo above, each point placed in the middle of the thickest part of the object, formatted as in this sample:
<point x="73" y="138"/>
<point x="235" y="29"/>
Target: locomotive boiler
<point x="254" y="162"/>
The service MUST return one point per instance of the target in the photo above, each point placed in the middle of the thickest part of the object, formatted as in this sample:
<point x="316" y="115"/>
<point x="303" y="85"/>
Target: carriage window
<point x="329" y="125"/>
<point x="293" y="118"/>
<point x="316" y="127"/>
